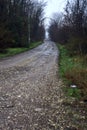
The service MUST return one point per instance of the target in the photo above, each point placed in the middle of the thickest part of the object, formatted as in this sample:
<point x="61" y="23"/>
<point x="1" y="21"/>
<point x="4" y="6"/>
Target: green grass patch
<point x="14" y="51"/>
<point x="73" y="70"/>
<point x="73" y="92"/>
<point x="35" y="44"/>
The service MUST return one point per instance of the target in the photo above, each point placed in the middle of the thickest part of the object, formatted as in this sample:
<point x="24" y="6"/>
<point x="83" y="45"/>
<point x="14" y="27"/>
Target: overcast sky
<point x="54" y="6"/>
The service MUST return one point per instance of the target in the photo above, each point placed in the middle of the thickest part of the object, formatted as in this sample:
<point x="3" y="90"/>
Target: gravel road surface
<point x="31" y="96"/>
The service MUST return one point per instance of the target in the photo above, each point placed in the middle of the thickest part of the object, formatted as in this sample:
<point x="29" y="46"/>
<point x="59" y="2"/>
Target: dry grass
<point x="74" y="70"/>
<point x="78" y="76"/>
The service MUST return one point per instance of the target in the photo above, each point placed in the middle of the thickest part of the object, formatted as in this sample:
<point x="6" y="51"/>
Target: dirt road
<point x="31" y="97"/>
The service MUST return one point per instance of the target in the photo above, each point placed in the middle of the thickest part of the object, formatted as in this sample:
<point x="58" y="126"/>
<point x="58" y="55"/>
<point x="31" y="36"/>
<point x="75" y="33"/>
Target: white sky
<point x="54" y="6"/>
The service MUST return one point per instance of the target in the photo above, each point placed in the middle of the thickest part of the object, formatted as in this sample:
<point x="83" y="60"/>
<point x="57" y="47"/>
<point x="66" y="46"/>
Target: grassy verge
<point x="35" y="44"/>
<point x="14" y="51"/>
<point x="73" y="70"/>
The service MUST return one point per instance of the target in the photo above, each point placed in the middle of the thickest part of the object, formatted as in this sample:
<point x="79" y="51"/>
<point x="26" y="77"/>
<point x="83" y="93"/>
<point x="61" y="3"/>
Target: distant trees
<point x="20" y="22"/>
<point x="36" y="24"/>
<point x="73" y="27"/>
<point x="57" y="31"/>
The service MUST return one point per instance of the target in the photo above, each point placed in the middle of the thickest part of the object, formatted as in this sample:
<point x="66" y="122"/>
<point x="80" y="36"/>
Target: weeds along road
<point x="31" y="97"/>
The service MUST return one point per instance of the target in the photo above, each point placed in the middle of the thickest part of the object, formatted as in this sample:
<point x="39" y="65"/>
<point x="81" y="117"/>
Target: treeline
<point x="20" y="23"/>
<point x="70" y="27"/>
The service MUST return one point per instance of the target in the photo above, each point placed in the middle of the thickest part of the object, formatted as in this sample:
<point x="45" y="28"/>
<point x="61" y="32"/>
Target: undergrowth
<point x="14" y="51"/>
<point x="73" y="70"/>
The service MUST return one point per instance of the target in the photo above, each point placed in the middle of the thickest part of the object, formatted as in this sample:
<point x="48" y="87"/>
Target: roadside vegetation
<point x="70" y="30"/>
<point x="14" y="51"/>
<point x="73" y="70"/>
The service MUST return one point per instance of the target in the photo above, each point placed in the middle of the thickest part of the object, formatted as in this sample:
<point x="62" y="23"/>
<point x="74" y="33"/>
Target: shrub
<point x="6" y="39"/>
<point x="77" y="45"/>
